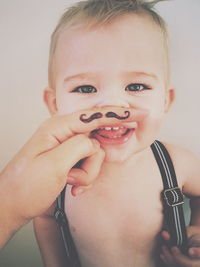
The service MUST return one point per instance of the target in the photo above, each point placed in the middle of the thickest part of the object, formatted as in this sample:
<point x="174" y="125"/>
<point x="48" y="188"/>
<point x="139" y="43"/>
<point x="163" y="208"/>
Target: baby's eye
<point x="137" y="87"/>
<point x="85" y="89"/>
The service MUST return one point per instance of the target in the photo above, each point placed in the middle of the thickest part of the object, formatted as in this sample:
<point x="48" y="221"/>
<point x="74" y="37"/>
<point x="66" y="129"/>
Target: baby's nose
<point x="112" y="99"/>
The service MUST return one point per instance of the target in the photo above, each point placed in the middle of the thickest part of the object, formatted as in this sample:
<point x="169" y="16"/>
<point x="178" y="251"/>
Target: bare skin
<point x="117" y="220"/>
<point x="109" y="232"/>
<point x="124" y="231"/>
<point x="130" y="232"/>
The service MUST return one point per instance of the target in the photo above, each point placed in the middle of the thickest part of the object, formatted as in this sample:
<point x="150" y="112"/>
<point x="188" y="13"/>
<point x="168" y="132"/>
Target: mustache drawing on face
<point x="99" y="115"/>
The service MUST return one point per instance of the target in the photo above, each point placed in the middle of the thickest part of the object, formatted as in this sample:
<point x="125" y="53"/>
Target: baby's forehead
<point x="128" y="31"/>
<point x="134" y="37"/>
<point x="124" y="27"/>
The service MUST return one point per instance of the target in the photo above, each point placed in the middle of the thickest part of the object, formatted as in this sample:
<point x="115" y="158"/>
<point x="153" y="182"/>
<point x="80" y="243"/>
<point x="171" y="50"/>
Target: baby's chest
<point x="118" y="214"/>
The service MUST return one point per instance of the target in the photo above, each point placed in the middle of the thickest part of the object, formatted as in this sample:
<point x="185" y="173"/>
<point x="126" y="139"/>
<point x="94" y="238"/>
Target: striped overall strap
<point x="72" y="258"/>
<point x="172" y="198"/>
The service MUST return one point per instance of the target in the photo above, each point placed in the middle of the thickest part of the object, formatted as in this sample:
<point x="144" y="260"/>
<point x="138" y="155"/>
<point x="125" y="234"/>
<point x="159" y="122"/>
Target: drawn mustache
<point x="94" y="116"/>
<point x="99" y="115"/>
<point x="111" y="114"/>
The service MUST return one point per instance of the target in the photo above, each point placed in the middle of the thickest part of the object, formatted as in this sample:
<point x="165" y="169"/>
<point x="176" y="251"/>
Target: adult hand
<point x="173" y="257"/>
<point x="34" y="178"/>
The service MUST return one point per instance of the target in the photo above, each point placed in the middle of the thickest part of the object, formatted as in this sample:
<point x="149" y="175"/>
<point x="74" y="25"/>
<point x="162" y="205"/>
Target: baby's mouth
<point x="112" y="135"/>
<point x="112" y="132"/>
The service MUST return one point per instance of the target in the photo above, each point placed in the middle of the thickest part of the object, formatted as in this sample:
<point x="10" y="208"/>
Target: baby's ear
<point x="49" y="97"/>
<point x="169" y="99"/>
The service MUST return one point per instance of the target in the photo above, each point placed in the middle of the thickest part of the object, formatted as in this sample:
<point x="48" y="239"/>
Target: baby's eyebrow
<point x="140" y="74"/>
<point x="89" y="75"/>
<point x="80" y="76"/>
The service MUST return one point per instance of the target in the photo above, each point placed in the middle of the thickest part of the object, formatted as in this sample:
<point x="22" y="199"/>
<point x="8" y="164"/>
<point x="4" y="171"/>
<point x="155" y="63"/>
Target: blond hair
<point x="95" y="13"/>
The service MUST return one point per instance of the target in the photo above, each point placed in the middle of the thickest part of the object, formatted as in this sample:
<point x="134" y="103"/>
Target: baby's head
<point x="94" y="14"/>
<point x="111" y="53"/>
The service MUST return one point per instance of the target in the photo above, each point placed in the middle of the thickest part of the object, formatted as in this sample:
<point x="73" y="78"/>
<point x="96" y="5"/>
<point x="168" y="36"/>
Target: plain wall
<point x="25" y="28"/>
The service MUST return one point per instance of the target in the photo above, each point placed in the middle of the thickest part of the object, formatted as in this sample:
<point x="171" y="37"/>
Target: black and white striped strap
<point x="172" y="196"/>
<point x="61" y="218"/>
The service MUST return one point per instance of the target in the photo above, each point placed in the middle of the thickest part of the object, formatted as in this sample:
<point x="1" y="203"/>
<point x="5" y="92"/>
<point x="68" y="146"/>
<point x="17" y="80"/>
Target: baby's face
<point x="122" y="64"/>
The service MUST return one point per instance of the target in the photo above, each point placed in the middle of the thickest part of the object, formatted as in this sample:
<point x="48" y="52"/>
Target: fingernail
<point x="95" y="142"/>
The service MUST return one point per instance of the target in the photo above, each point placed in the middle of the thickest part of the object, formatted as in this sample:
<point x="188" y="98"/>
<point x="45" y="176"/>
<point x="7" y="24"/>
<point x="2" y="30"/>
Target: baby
<point x="109" y="58"/>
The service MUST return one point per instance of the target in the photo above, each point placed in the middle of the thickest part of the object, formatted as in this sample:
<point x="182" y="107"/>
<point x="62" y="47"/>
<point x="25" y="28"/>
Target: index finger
<point x="59" y="128"/>
<point x="86" y="120"/>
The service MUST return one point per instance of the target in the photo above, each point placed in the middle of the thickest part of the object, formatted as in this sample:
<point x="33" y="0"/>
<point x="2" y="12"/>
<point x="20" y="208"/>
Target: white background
<point x="25" y="29"/>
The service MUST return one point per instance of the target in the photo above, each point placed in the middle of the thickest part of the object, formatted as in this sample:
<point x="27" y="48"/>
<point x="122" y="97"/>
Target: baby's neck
<point x="127" y="165"/>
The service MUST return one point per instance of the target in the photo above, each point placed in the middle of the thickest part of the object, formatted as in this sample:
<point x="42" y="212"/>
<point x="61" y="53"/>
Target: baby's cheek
<point x="151" y="124"/>
<point x="155" y="119"/>
<point x="67" y="107"/>
<point x="65" y="111"/>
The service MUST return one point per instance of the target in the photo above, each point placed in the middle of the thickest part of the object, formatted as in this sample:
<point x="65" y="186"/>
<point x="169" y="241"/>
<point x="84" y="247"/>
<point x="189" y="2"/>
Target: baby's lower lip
<point x="104" y="140"/>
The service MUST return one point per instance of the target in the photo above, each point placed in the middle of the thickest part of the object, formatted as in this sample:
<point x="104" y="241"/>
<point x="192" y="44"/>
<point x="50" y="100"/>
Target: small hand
<point x="173" y="257"/>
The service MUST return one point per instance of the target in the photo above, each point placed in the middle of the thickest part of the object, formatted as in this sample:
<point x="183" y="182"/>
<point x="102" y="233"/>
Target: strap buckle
<point x="173" y="196"/>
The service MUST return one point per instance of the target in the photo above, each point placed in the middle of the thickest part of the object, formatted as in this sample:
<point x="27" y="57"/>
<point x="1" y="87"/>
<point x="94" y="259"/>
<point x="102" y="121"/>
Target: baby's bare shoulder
<point x="181" y="154"/>
<point x="187" y="167"/>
